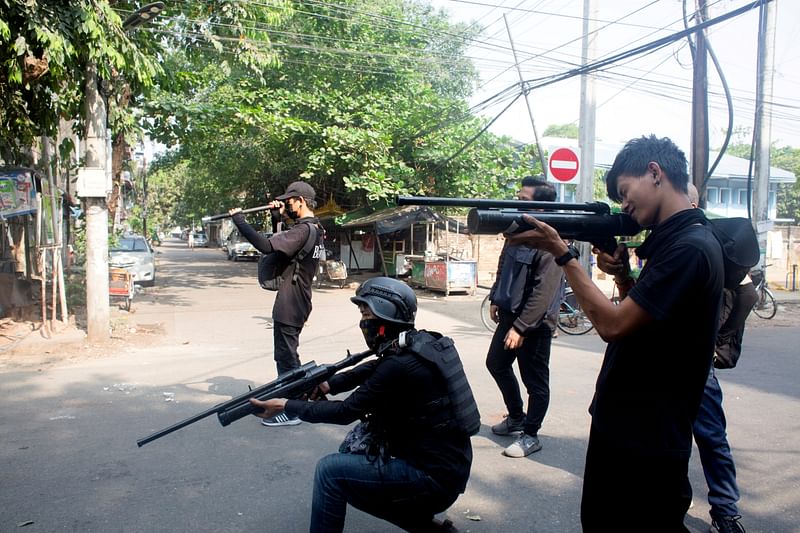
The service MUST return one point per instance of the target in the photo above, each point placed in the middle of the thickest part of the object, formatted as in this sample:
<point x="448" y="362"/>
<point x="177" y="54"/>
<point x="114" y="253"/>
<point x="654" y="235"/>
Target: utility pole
<point x="699" y="155"/>
<point x="525" y="94"/>
<point x="763" y="123"/>
<point x="586" y="128"/>
<point x="92" y="189"/>
<point x="94" y="184"/>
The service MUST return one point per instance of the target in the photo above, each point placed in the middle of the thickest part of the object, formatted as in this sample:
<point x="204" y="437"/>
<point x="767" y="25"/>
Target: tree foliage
<point x="366" y="101"/>
<point x="565" y="131"/>
<point x="45" y="46"/>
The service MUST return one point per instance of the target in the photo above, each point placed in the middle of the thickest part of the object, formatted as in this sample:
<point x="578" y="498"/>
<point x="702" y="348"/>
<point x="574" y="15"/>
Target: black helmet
<point x="389" y="299"/>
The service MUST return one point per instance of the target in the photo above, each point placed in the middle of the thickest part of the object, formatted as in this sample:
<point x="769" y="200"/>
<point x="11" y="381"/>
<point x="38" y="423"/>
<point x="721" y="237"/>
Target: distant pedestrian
<point x="191" y="240"/>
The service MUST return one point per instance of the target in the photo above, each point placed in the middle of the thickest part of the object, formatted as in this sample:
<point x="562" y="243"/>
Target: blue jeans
<point x="715" y="453"/>
<point x="392" y="490"/>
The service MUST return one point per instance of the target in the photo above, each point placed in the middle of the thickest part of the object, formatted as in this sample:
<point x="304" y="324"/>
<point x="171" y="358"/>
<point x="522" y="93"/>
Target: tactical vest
<point x="441" y="352"/>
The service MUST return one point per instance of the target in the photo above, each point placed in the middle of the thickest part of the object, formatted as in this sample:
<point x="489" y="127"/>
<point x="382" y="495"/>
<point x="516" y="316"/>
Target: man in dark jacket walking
<point x="525" y="299"/>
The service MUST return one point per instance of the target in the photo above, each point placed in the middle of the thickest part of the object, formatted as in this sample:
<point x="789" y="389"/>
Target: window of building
<point x="725" y="196"/>
<point x="741" y="197"/>
<point x="712" y="195"/>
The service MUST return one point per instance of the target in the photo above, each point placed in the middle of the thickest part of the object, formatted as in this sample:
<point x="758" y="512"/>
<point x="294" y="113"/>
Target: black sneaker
<point x="509" y="425"/>
<point x="726" y="524"/>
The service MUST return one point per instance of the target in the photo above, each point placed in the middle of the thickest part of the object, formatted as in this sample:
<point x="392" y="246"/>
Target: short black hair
<point x="543" y="190"/>
<point x="634" y="157"/>
<point x="533" y="181"/>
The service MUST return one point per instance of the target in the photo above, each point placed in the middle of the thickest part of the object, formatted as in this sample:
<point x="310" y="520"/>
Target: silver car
<point x="134" y="254"/>
<point x="239" y="247"/>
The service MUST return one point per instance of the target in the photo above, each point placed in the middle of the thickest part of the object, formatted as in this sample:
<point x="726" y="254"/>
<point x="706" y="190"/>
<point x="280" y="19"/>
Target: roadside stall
<point x="413" y="242"/>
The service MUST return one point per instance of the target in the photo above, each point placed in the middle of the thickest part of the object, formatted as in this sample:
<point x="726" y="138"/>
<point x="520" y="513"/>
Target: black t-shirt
<point x="293" y="302"/>
<point x="444" y="455"/>
<point x="651" y="382"/>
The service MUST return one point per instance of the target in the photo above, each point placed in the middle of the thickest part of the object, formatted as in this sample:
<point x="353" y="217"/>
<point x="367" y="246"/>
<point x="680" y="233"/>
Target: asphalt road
<point x="69" y="460"/>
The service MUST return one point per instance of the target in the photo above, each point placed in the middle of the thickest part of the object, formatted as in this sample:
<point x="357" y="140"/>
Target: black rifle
<point x="590" y="222"/>
<point x="293" y="384"/>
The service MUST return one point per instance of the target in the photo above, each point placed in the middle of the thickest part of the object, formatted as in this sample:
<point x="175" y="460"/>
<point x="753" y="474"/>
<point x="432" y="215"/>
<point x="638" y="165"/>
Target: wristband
<point x="572" y="253"/>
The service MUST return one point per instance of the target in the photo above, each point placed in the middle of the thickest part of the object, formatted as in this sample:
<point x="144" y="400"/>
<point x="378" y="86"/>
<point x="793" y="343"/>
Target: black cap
<point x="298" y="189"/>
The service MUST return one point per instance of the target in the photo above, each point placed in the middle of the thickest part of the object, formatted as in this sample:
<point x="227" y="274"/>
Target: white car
<point x="239" y="247"/>
<point x="135" y="255"/>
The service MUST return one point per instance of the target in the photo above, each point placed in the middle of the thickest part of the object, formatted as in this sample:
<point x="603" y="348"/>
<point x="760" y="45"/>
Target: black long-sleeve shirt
<point x="394" y="391"/>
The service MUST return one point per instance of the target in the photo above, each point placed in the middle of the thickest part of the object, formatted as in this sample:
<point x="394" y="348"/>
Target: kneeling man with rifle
<point x="410" y="456"/>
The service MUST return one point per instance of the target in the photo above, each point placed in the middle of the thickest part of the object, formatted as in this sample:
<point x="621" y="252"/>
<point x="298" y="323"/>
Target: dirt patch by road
<point x="25" y="343"/>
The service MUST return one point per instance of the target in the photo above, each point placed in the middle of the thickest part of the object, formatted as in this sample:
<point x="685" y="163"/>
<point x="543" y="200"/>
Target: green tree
<point x="366" y="101"/>
<point x="45" y="46"/>
<point x="565" y="131"/>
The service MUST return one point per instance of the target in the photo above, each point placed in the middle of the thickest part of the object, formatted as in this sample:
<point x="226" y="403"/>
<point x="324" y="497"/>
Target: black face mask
<point x="291" y="213"/>
<point x="374" y="331"/>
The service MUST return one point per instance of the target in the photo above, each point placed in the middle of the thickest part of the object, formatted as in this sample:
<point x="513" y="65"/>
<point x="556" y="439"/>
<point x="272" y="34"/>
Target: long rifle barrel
<point x="227" y="215"/>
<point x="569" y="225"/>
<point x="292" y="384"/>
<point x="483" y="203"/>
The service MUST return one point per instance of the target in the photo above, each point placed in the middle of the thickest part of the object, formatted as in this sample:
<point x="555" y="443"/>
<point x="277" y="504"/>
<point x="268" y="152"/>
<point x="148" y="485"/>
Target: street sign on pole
<point x="564" y="165"/>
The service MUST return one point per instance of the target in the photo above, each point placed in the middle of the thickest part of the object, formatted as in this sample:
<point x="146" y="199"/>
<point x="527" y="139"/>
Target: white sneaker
<point x="281" y="419"/>
<point x="523" y="446"/>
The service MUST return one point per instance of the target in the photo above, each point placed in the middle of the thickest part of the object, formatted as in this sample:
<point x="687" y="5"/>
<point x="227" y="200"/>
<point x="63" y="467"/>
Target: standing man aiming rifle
<point x="660" y="341"/>
<point x="293" y="302"/>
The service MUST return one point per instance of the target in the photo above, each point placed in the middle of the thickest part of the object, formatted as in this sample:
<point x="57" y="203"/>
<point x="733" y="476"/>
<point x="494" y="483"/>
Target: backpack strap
<point x="307" y="248"/>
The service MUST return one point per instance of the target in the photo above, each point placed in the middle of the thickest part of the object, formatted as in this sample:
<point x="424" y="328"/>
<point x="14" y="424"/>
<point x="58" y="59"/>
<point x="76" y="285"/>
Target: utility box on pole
<point x="93" y="183"/>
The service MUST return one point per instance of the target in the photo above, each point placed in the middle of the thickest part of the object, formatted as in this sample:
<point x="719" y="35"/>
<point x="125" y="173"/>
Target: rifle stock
<point x="590" y="222"/>
<point x="292" y="384"/>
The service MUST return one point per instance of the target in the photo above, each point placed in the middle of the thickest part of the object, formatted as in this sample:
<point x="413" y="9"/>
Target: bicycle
<point x="571" y="319"/>
<point x="765" y="306"/>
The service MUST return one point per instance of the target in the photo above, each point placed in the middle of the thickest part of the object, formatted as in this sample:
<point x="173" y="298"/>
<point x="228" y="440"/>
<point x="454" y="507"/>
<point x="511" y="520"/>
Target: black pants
<point x="533" y="358"/>
<point x="287" y="339"/>
<point x="624" y="490"/>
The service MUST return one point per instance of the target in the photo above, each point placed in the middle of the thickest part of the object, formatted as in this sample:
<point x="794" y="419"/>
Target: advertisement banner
<point x="17" y="192"/>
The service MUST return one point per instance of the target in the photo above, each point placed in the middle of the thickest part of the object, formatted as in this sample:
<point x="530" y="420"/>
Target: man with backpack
<point x="411" y="456"/>
<point x="525" y="300"/>
<point x="709" y="428"/>
<point x="296" y="253"/>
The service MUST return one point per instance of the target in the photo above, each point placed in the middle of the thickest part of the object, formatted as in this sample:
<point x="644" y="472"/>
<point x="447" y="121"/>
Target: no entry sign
<point x="564" y="165"/>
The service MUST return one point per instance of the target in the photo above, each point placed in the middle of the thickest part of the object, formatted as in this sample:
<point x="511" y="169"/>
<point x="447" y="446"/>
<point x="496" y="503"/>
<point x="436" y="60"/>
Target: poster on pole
<point x="17" y="192"/>
<point x="564" y="165"/>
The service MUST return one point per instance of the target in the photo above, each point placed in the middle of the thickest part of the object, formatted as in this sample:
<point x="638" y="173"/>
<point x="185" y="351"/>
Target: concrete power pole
<point x="586" y="129"/>
<point x="763" y="123"/>
<point x="97" y="306"/>
<point x="700" y="142"/>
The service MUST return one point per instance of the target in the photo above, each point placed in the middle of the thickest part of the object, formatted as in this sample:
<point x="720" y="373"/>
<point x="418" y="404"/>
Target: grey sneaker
<point x="523" y="446"/>
<point x="281" y="419"/>
<point x="726" y="524"/>
<point x="509" y="425"/>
